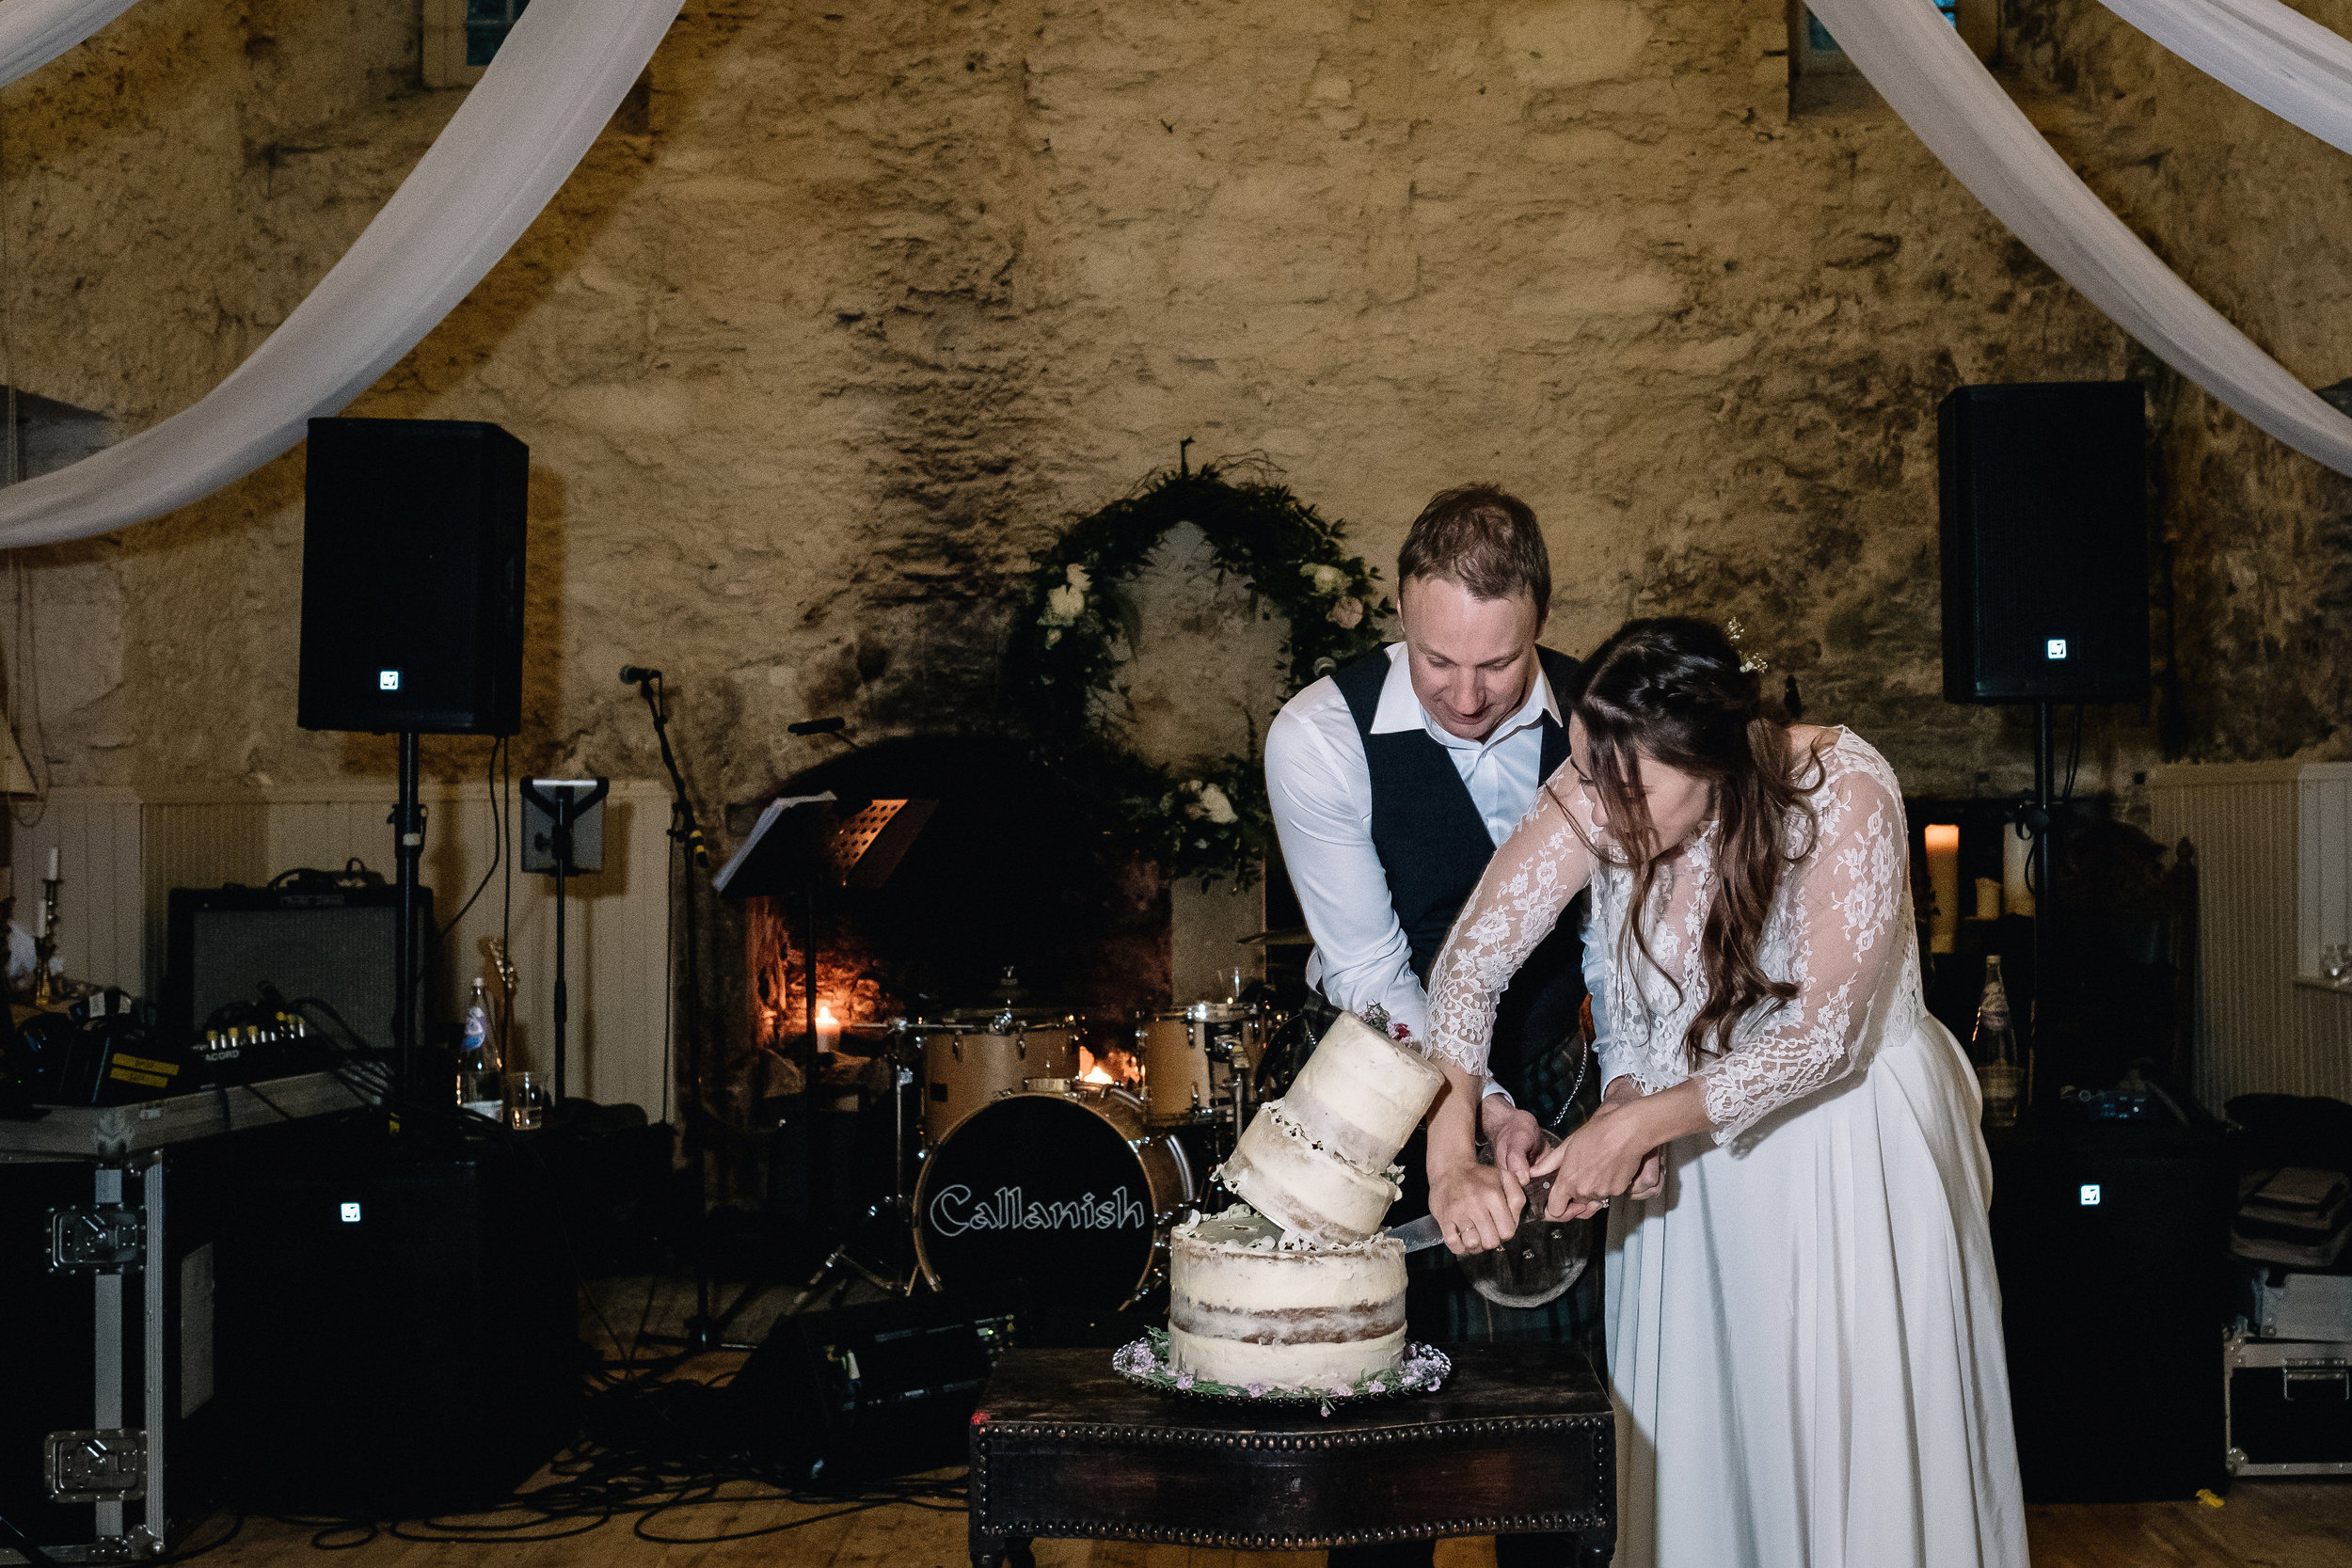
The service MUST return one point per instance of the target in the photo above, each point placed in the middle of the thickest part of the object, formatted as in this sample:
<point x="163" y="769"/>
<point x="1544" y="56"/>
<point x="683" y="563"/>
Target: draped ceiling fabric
<point x="1944" y="93"/>
<point x="34" y="32"/>
<point x="564" y="68"/>
<point x="2280" y="59"/>
<point x="556" y="80"/>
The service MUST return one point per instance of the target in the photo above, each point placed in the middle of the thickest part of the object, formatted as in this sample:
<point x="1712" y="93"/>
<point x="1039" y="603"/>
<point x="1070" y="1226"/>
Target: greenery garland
<point x="1078" y="628"/>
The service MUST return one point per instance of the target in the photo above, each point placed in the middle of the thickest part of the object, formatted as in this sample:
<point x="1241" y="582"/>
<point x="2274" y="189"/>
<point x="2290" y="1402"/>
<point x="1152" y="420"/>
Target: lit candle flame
<point x="824" y="1015"/>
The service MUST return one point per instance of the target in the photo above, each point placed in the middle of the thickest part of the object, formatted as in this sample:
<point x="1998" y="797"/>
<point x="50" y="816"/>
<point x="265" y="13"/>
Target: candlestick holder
<point x="45" y="946"/>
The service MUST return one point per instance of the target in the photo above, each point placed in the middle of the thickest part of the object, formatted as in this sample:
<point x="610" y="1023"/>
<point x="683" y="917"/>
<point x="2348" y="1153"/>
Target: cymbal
<point x="1285" y="936"/>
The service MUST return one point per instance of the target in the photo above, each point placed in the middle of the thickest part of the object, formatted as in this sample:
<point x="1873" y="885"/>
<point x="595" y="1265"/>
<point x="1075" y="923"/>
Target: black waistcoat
<point x="1434" y="847"/>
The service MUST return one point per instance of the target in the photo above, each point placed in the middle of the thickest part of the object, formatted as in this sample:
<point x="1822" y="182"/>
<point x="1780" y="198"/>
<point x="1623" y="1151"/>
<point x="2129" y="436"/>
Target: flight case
<point x="110" y="1219"/>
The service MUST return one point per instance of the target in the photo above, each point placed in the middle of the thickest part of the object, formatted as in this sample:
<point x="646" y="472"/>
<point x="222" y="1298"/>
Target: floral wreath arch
<point x="1078" y="628"/>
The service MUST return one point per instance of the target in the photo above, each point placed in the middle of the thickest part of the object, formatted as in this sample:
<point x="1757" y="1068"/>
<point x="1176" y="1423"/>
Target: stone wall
<point x="849" y="311"/>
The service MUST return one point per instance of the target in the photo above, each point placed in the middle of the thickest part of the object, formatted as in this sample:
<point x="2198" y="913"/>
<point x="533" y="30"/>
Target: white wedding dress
<point x="1805" y="1332"/>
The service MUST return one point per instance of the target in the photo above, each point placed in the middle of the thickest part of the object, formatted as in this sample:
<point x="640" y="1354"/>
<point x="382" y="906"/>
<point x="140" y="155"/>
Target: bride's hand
<point x="1614" y="1152"/>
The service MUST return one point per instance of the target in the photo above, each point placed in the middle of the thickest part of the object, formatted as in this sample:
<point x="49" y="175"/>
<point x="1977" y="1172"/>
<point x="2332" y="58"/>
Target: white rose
<point x="1220" y="809"/>
<point x="1328" y="579"/>
<point x="1065" y="604"/>
<point x="1077" y="576"/>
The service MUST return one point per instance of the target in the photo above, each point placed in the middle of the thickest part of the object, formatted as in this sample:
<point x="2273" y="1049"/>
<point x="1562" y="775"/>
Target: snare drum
<point x="1065" y="1190"/>
<point x="971" y="1060"/>
<point x="1194" y="1058"/>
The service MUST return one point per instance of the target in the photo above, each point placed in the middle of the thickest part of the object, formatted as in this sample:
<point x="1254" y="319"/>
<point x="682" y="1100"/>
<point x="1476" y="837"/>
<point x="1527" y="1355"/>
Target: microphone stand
<point x="703" y="1331"/>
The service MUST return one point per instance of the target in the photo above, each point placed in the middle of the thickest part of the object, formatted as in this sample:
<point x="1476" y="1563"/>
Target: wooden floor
<point x="2262" y="1525"/>
<point x="2266" y="1525"/>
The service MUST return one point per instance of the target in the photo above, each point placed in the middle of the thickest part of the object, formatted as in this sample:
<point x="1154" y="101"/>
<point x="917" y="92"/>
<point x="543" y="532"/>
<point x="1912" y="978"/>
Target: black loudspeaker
<point x="397" y="1323"/>
<point x="2044" y="501"/>
<point x="331" y="946"/>
<point x="2112" y="1242"/>
<point x="412" y="577"/>
<point x="877" y="1389"/>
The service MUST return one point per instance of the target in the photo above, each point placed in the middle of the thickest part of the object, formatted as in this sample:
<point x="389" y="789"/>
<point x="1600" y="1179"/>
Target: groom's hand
<point x="1476" y="1206"/>
<point x="1513" y="1135"/>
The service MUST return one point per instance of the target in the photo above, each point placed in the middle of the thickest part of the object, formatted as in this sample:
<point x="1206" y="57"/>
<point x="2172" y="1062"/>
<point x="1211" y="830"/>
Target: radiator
<point x="120" y="852"/>
<point x="2274" y="854"/>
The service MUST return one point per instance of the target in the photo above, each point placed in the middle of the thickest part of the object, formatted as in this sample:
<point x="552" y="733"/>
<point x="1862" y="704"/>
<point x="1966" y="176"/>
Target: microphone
<point x="634" y="675"/>
<point x="817" y="726"/>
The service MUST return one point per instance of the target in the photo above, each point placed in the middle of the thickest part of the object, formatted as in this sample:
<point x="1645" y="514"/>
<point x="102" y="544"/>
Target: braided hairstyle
<point x="1670" y="689"/>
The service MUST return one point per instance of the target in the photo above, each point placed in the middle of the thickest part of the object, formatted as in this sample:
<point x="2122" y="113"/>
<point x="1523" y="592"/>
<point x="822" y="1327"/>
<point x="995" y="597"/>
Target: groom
<point x="1392" y="782"/>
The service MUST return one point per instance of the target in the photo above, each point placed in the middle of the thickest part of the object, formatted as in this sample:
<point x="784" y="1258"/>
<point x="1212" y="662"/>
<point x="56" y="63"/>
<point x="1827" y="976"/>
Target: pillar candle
<point x="1943" y="880"/>
<point x="52" y="863"/>
<point x="2016" y="853"/>
<point x="828" y="1028"/>
<point x="1988" y="898"/>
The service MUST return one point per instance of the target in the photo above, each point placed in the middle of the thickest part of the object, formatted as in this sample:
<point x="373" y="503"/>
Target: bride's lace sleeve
<point x="1540" y="867"/>
<point x="1846" y="906"/>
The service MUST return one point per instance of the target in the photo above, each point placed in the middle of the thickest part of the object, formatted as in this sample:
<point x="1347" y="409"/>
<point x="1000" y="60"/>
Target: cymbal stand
<point x="895" y="1214"/>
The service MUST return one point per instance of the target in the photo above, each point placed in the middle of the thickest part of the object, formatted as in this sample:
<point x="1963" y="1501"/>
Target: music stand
<point x="804" y="845"/>
<point x="569" y="804"/>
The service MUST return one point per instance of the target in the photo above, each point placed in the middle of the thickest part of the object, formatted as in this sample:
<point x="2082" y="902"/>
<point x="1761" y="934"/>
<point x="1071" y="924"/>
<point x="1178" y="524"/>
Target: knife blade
<point x="1418" y="1235"/>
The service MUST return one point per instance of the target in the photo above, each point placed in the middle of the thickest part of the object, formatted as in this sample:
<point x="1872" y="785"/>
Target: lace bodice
<point x="1840" y="929"/>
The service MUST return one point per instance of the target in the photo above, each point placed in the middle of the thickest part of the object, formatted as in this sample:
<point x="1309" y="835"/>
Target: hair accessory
<point x="1749" y="663"/>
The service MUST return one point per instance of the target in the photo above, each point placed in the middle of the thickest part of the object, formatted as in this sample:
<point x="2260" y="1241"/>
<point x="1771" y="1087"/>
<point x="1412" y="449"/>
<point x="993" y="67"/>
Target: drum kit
<point x="1026" y="1170"/>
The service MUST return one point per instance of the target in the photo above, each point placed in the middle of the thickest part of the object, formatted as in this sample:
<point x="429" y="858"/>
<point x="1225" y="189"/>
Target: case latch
<point x="108" y="1466"/>
<point x="97" y="1238"/>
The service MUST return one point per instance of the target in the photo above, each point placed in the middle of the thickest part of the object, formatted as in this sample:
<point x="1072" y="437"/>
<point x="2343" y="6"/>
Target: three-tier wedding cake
<point x="1295" y="1286"/>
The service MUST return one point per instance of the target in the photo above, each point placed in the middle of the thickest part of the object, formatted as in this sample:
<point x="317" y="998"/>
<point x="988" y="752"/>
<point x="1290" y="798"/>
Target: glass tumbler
<point x="526" y="1101"/>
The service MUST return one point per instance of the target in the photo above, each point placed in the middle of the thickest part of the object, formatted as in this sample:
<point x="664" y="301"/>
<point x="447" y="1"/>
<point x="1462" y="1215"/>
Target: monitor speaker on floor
<point x="2044" y="504"/>
<point x="412" y="577"/>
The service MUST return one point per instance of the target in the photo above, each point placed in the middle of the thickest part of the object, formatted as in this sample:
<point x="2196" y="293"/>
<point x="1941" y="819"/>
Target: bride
<point x="1803" y="1324"/>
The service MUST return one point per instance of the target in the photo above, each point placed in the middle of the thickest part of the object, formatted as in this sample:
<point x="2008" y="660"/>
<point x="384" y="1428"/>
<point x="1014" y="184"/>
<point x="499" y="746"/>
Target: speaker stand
<point x="407" y="850"/>
<point x="2041" y="822"/>
<point x="566" y="805"/>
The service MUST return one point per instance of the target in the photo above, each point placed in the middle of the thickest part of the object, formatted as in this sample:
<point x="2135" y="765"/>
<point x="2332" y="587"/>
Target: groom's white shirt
<point x="1320" y="784"/>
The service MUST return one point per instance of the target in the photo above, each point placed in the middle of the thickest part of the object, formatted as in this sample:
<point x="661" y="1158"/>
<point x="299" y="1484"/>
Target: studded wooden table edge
<point x="999" y="1430"/>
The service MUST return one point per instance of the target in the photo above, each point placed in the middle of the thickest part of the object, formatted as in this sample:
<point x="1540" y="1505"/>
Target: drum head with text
<point x="1039" y="1190"/>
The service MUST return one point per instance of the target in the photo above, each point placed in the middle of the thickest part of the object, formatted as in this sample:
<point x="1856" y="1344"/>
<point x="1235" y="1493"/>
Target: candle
<point x="52" y="863"/>
<point x="1988" y="898"/>
<point x="1944" y="881"/>
<point x="828" y="1027"/>
<point x="2015" y="852"/>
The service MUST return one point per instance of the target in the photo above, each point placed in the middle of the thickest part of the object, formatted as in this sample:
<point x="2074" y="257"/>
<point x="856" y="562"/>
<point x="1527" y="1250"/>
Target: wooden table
<point x="1520" y="1440"/>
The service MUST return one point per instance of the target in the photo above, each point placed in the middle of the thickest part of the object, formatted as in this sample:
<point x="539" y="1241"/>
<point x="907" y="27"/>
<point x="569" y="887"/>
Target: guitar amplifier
<point x="330" y="944"/>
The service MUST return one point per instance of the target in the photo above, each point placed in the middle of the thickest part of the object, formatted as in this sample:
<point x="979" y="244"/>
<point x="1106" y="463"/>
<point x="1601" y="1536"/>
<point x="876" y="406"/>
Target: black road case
<point x="110" y="1226"/>
<point x="2290" y="1406"/>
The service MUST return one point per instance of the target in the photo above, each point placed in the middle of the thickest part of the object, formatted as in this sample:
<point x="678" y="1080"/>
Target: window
<point x="462" y="35"/>
<point x="1820" y="76"/>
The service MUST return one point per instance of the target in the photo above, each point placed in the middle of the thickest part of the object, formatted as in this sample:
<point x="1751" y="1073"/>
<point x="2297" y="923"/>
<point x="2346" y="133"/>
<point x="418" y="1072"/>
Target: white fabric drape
<point x="34" y="32"/>
<point x="1944" y="94"/>
<point x="522" y="129"/>
<point x="2281" y="58"/>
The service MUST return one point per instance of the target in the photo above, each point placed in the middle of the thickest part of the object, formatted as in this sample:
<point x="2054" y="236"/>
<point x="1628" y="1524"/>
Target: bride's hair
<point x="1672" y="689"/>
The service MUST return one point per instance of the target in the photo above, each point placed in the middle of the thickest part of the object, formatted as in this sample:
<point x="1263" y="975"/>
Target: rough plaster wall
<point x="2257" y="540"/>
<point x="848" y="310"/>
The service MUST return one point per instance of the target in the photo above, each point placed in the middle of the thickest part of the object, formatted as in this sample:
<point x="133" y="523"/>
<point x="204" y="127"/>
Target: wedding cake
<point x="1295" y="1286"/>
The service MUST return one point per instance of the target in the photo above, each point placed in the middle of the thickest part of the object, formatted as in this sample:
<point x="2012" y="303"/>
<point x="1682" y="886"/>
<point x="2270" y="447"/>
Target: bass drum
<point x="1065" y="1190"/>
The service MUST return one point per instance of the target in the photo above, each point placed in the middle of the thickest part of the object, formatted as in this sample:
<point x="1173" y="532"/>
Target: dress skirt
<point x="1805" y="1336"/>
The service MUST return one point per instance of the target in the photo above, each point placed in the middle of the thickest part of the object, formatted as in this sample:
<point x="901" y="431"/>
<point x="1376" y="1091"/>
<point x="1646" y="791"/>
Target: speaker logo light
<point x="348" y="1213"/>
<point x="2090" y="1195"/>
<point x="2058" y="647"/>
<point x="389" y="680"/>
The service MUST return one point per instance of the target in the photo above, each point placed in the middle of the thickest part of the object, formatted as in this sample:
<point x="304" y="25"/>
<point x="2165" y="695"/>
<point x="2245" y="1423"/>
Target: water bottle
<point x="480" y="1087"/>
<point x="1995" y="1048"/>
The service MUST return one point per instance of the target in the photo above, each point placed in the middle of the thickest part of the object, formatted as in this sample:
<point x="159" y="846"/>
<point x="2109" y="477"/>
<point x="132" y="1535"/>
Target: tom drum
<point x="1194" y="1058"/>
<point x="972" y="1062"/>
